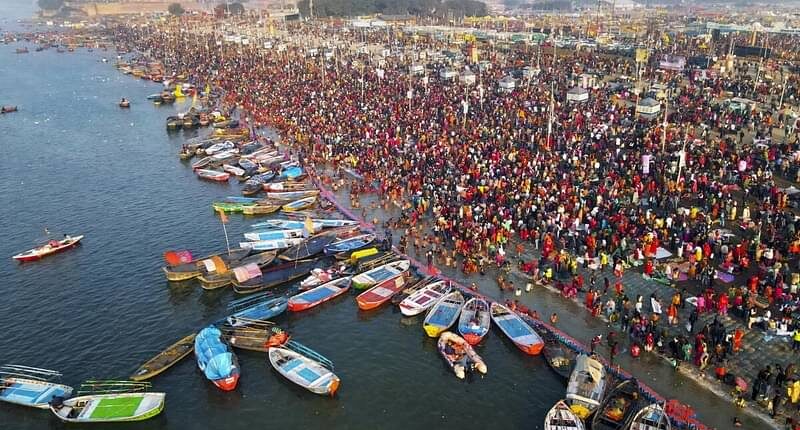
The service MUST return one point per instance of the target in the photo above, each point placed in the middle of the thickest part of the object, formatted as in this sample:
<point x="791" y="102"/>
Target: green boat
<point x="230" y="207"/>
<point x="104" y="408"/>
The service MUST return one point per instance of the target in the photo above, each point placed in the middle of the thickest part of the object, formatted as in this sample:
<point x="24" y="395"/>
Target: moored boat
<point x="274" y="234"/>
<point x="255" y="336"/>
<point x="443" y="314"/>
<point x="272" y="244"/>
<point x="412" y="286"/>
<point x="651" y="417"/>
<point x="459" y="355"/>
<point x="284" y="224"/>
<point x="221" y="276"/>
<point x="30" y="386"/>
<point x="523" y="335"/>
<point x="381" y="292"/>
<point x="618" y="407"/>
<point x="318" y="295"/>
<point x="181" y="266"/>
<point x="586" y="386"/>
<point x="274" y="276"/>
<point x="561" y="417"/>
<point x="216" y="360"/>
<point x="291" y="195"/>
<point x="475" y="320"/>
<point x="307" y="248"/>
<point x="371" y="277"/>
<point x="165" y="359"/>
<point x="423" y="299"/>
<point x="310" y="371"/>
<point x="258" y="307"/>
<point x="260" y="209"/>
<point x="559" y="357"/>
<point x="107" y="408"/>
<point x="349" y="244"/>
<point x="212" y="175"/>
<point x="51" y="247"/>
<point x="299" y="205"/>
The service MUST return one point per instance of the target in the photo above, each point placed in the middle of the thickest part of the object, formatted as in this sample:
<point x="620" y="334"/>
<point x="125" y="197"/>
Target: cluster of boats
<point x="589" y="403"/>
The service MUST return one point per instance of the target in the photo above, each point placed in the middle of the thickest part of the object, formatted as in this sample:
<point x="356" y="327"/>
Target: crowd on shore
<point x="482" y="173"/>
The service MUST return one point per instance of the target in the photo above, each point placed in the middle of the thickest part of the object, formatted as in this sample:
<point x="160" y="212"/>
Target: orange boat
<point x="380" y="293"/>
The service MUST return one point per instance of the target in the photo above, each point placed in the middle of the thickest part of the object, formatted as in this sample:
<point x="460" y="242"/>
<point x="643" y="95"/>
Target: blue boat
<point x="30" y="386"/>
<point x="291" y="173"/>
<point x="274" y="234"/>
<point x="284" y="224"/>
<point x="260" y="307"/>
<point x="215" y="359"/>
<point x="350" y="244"/>
<point x="475" y="320"/>
<point x="262" y="177"/>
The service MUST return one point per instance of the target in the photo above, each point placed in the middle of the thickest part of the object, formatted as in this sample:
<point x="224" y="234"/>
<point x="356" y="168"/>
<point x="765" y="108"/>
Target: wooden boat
<point x="258" y="307"/>
<point x="561" y="417"/>
<point x="380" y="293"/>
<point x="260" y="209"/>
<point x="125" y="104"/>
<point x="475" y="320"/>
<point x="423" y="299"/>
<point x="165" y="359"/>
<point x="291" y="195"/>
<point x="173" y="122"/>
<point x="222" y="277"/>
<point x="318" y="295"/>
<point x="650" y="417"/>
<point x="277" y="187"/>
<point x="459" y="355"/>
<point x="202" y="163"/>
<point x="305" y="368"/>
<point x="233" y="170"/>
<point x="349" y="244"/>
<point x="443" y="314"/>
<point x="51" y="247"/>
<point x="107" y="408"/>
<point x="8" y="109"/>
<point x="320" y="276"/>
<point x="215" y="359"/>
<point x="30" y="386"/>
<point x="327" y="223"/>
<point x="274" y="234"/>
<point x="559" y="357"/>
<point x="274" y="276"/>
<point x="379" y="274"/>
<point x="182" y="267"/>
<point x="523" y="335"/>
<point x="619" y="406"/>
<point x="230" y="207"/>
<point x="273" y="244"/>
<point x="284" y="224"/>
<point x="299" y="205"/>
<point x="307" y="248"/>
<point x="257" y="336"/>
<point x="212" y="175"/>
<point x="586" y="386"/>
<point x="224" y="155"/>
<point x="412" y="286"/>
<point x="219" y="147"/>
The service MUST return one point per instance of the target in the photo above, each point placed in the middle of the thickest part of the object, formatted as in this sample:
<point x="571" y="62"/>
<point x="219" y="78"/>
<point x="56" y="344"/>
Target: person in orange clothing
<point x="738" y="335"/>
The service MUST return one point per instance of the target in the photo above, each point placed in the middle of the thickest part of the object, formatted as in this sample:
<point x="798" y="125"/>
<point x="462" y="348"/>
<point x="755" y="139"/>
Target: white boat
<point x="107" y="408"/>
<point x="379" y="274"/>
<point x="224" y="155"/>
<point x="30" y="386"/>
<point x="586" y="386"/>
<point x="269" y="245"/>
<point x="304" y="371"/>
<point x="219" y="147"/>
<point x="422" y="299"/>
<point x="651" y="417"/>
<point x="233" y="170"/>
<point x="274" y="234"/>
<point x="561" y="417"/>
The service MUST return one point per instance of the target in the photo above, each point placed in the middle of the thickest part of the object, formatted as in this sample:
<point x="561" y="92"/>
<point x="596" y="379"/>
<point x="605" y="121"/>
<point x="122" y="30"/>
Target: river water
<point x="73" y="162"/>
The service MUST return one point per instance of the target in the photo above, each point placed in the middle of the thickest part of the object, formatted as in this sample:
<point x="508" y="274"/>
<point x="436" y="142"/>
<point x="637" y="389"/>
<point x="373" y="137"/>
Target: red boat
<point x="50" y="247"/>
<point x="319" y="295"/>
<point x="380" y="293"/>
<point x="213" y="175"/>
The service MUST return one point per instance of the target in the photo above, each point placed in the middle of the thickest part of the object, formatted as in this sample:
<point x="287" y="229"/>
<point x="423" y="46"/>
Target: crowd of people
<point x="482" y="173"/>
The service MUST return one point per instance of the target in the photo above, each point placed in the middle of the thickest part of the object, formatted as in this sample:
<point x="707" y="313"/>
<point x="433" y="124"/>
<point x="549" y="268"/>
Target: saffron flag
<point x="308" y="227"/>
<point x="222" y="216"/>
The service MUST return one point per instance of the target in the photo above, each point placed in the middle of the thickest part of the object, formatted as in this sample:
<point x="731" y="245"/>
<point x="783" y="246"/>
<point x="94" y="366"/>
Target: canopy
<point x="215" y="264"/>
<point x="220" y="366"/>
<point x="248" y="271"/>
<point x="174" y="258"/>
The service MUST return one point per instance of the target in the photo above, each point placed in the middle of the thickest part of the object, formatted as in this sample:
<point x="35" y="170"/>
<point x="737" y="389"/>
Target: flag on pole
<point x="222" y="216"/>
<point x="308" y="227"/>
